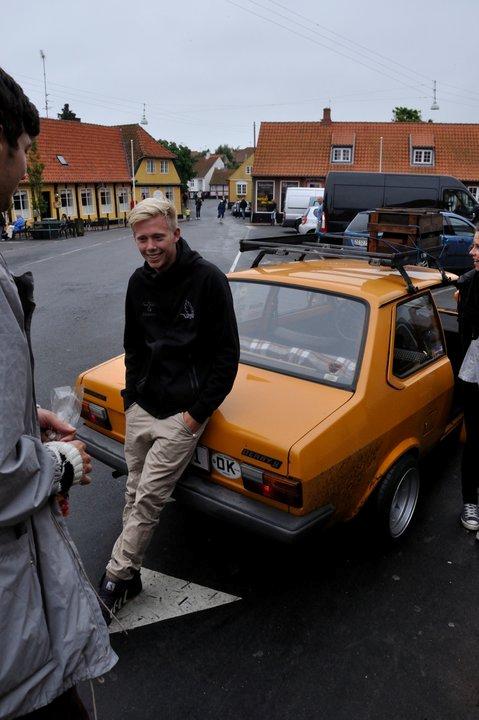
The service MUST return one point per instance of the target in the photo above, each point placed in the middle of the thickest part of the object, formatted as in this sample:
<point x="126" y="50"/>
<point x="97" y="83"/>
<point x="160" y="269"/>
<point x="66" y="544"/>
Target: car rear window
<point x="359" y="223"/>
<point x="297" y="331"/>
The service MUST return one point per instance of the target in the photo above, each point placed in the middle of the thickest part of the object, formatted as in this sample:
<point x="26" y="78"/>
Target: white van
<point x="296" y="204"/>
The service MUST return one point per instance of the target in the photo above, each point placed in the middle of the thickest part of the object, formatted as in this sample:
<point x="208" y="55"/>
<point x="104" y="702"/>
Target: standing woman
<point x="468" y="316"/>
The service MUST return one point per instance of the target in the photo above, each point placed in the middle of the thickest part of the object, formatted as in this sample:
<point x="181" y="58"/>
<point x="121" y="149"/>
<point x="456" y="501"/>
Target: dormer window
<point x="341" y="154"/>
<point x="422" y="156"/>
<point x="61" y="160"/>
<point x="248" y="169"/>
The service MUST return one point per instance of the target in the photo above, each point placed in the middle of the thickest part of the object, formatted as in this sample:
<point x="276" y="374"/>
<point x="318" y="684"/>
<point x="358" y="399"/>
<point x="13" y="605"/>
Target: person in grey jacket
<point x="51" y="629"/>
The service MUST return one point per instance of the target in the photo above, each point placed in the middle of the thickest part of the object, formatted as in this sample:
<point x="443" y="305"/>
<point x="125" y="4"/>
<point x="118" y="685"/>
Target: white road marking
<point x="70" y="252"/>
<point x="164" y="597"/>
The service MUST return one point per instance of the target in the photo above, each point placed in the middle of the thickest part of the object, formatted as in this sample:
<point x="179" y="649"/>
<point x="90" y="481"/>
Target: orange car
<point x="344" y="383"/>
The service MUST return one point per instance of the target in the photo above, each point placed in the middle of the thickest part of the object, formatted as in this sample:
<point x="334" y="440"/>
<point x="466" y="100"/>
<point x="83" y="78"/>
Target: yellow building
<point x="88" y="171"/>
<point x="240" y="181"/>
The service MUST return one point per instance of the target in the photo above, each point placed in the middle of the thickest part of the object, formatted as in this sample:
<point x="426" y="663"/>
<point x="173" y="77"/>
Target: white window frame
<point x="168" y="192"/>
<point x="422" y="156"/>
<point x="21" y="203"/>
<point x="105" y="200"/>
<point x="248" y="169"/>
<point x="342" y="154"/>
<point x="67" y="202"/>
<point x="273" y="199"/>
<point x="87" y="208"/>
<point x="241" y="188"/>
<point x="474" y="190"/>
<point x="150" y="167"/>
<point x="123" y="192"/>
<point x="144" y="192"/>
<point x="164" y="168"/>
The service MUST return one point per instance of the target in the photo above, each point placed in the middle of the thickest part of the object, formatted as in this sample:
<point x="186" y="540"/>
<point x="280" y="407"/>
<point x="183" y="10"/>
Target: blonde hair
<point x="150" y="208"/>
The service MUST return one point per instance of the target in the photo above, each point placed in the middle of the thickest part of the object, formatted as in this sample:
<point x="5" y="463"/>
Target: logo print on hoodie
<point x="149" y="308"/>
<point x="188" y="311"/>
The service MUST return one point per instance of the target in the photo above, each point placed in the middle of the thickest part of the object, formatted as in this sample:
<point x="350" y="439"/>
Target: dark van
<point x="347" y="193"/>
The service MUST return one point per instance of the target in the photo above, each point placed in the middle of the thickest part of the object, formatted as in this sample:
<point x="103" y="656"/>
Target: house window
<point x="86" y="198"/>
<point x="474" y="190"/>
<point x="341" y="154"/>
<point x="105" y="200"/>
<point x="61" y="160"/>
<point x="248" y="169"/>
<point x="144" y="193"/>
<point x="264" y="195"/>
<point x="422" y="156"/>
<point x="168" y="192"/>
<point x="20" y="203"/>
<point x="123" y="197"/>
<point x="240" y="188"/>
<point x="66" y="202"/>
<point x="150" y="166"/>
<point x="164" y="167"/>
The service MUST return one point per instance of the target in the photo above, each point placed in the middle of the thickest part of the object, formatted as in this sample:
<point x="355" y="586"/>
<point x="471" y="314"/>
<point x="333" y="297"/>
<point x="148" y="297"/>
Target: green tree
<point x="35" y="169"/>
<point x="67" y="114"/>
<point x="183" y="162"/>
<point x="228" y="154"/>
<point x="405" y="114"/>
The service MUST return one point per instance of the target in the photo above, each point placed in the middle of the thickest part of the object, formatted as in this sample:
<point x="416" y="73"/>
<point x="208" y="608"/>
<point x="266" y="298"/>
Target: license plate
<point x="201" y="458"/>
<point x="226" y="466"/>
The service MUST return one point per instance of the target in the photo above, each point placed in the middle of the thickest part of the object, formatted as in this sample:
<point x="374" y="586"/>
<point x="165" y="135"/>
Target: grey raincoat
<point x="52" y="635"/>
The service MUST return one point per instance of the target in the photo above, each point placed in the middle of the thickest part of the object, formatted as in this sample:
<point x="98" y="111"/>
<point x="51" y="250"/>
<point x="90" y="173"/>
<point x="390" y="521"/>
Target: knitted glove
<point x="70" y="464"/>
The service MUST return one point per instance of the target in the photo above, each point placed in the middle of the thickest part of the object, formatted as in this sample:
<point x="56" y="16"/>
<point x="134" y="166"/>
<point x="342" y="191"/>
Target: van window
<point x="458" y="201"/>
<point x="359" y="223"/>
<point x="410" y="197"/>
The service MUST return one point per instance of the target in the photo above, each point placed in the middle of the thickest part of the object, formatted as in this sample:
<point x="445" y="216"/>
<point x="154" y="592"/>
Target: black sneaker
<point x="470" y="516"/>
<point x="114" y="594"/>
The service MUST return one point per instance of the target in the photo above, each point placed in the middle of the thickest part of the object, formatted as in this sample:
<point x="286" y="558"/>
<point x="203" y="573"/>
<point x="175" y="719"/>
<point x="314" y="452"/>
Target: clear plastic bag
<point x="469" y="371"/>
<point x="66" y="402"/>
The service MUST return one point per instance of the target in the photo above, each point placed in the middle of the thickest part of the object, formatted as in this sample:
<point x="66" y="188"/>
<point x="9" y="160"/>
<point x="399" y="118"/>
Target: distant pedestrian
<point x="243" y="205"/>
<point x="198" y="204"/>
<point x="221" y="209"/>
<point x="273" y="207"/>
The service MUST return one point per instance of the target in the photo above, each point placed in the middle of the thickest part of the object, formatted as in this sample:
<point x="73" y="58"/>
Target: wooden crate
<point x="404" y="227"/>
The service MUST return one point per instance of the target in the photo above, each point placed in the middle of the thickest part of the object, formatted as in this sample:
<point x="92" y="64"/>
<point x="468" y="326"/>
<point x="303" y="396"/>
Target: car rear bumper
<point x="215" y="500"/>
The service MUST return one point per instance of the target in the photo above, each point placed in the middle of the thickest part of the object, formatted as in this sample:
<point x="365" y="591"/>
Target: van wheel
<point x="396" y="498"/>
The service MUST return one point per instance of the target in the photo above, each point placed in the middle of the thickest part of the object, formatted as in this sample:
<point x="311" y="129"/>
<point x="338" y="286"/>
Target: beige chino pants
<point x="156" y="453"/>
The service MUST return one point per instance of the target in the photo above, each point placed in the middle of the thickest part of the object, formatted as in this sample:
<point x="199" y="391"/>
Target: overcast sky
<point x="207" y="69"/>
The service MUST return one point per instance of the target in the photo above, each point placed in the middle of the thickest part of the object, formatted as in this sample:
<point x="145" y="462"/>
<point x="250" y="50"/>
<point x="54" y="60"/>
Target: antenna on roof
<point x="143" y="120"/>
<point x="434" y="105"/>
<point x="43" y="57"/>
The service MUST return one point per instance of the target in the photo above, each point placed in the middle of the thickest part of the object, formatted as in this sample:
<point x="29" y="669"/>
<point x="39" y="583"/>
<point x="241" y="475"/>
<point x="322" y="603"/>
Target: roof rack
<point x="396" y="260"/>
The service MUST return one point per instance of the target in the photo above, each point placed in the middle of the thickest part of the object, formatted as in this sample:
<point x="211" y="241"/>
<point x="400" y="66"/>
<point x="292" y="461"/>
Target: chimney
<point x="326" y="117"/>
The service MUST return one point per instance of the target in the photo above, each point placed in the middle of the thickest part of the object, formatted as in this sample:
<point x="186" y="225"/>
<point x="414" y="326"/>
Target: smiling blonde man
<point x="181" y="357"/>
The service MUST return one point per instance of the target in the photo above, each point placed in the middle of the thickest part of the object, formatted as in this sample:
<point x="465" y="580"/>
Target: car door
<point x="420" y="370"/>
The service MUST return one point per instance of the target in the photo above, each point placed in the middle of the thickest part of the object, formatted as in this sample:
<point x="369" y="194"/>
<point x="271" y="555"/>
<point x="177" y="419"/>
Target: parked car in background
<point x="296" y="203"/>
<point x="309" y="221"/>
<point x="347" y="193"/>
<point x="306" y="437"/>
<point x="456" y="239"/>
<point x="236" y="210"/>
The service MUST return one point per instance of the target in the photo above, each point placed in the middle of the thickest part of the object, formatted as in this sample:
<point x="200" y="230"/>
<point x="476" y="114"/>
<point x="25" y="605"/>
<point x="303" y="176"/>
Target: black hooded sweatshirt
<point x="181" y="338"/>
<point x="468" y="307"/>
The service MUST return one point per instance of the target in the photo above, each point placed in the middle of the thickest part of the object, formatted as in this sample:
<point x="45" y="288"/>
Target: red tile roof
<point x="303" y="149"/>
<point x="143" y="145"/>
<point x="203" y="164"/>
<point x="220" y="177"/>
<point x="94" y="153"/>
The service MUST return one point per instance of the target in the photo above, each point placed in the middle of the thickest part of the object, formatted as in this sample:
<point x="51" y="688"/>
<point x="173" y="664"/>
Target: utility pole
<point x="254" y="135"/>
<point x="43" y="56"/>
<point x="133" y="183"/>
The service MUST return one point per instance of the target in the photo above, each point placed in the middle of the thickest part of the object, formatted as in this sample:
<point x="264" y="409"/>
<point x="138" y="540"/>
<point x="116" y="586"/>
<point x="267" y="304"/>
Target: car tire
<point x="396" y="498"/>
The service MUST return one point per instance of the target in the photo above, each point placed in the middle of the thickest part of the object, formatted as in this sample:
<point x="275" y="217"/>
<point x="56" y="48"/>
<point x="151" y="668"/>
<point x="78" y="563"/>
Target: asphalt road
<point x="336" y="628"/>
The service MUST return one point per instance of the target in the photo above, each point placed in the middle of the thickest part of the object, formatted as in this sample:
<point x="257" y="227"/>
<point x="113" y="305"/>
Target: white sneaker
<point x="470" y="517"/>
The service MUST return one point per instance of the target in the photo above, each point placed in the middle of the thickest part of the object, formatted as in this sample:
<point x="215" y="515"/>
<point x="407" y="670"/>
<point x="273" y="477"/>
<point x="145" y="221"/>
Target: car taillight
<point x="303" y="219"/>
<point x="272" y="486"/>
<point x="95" y="414"/>
<point x="324" y="226"/>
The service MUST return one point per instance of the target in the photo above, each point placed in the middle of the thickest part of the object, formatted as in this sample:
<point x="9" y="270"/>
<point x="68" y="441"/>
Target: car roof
<point x="378" y="285"/>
